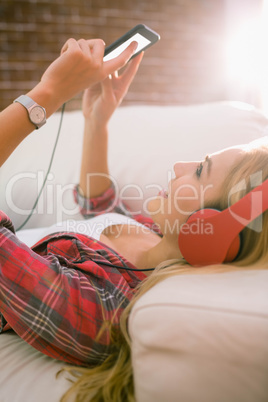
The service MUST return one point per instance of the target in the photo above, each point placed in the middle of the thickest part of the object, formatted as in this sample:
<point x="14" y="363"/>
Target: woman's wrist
<point x="45" y="96"/>
<point x="95" y="126"/>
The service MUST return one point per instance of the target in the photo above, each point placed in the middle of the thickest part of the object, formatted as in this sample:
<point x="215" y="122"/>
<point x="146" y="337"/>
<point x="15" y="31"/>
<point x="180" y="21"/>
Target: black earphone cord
<point x="48" y="171"/>
<point x="108" y="264"/>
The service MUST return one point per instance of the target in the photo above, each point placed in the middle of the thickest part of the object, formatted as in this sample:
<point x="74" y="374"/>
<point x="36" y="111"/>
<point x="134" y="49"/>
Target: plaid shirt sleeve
<point x="57" y="295"/>
<point x="109" y="202"/>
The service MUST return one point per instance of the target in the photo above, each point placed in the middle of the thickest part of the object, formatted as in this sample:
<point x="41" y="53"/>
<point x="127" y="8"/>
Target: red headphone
<point x="212" y="237"/>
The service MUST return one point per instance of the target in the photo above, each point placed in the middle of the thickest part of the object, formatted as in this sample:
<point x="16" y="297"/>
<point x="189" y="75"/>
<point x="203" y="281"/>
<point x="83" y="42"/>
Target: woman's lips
<point x="163" y="193"/>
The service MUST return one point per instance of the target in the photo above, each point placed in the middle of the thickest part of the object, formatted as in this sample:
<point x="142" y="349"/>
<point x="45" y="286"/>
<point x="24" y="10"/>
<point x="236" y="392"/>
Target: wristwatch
<point x="37" y="114"/>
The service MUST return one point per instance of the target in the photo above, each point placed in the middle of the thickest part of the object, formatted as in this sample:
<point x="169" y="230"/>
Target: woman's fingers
<point x="85" y="46"/>
<point x="96" y="49"/>
<point x="132" y="67"/>
<point x="120" y="61"/>
<point x="81" y="65"/>
<point x="93" y="48"/>
<point x="69" y="44"/>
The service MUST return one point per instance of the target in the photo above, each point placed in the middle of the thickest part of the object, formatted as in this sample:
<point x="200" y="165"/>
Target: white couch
<point x="195" y="337"/>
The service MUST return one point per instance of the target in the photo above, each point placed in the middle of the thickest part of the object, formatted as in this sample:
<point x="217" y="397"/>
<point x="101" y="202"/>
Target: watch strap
<point x="26" y="101"/>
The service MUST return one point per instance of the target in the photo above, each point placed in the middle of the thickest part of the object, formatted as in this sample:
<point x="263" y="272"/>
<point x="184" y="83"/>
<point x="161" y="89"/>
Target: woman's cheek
<point x="186" y="199"/>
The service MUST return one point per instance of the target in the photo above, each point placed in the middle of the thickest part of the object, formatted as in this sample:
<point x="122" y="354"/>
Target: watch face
<point x="37" y="115"/>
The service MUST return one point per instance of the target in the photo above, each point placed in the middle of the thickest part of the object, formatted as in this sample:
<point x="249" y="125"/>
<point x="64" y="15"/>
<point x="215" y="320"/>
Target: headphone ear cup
<point x="201" y="244"/>
<point x="234" y="249"/>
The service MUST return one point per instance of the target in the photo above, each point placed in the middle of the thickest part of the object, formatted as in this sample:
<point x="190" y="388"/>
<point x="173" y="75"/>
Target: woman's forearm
<point x="94" y="176"/>
<point x="99" y="103"/>
<point x="15" y="123"/>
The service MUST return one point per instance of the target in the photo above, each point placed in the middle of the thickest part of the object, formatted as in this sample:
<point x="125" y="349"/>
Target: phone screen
<point x="142" y="42"/>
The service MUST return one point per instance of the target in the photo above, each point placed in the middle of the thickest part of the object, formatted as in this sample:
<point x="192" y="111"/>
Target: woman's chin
<point x="156" y="206"/>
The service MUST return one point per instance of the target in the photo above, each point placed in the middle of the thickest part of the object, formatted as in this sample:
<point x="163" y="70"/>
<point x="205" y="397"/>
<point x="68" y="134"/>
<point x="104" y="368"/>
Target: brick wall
<point x="185" y="67"/>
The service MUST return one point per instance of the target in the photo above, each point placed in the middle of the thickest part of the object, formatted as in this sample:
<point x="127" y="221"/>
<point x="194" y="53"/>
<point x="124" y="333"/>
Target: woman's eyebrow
<point x="209" y="163"/>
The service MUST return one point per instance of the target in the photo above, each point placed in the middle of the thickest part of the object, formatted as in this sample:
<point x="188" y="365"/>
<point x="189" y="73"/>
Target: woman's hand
<point x="79" y="66"/>
<point x="101" y="99"/>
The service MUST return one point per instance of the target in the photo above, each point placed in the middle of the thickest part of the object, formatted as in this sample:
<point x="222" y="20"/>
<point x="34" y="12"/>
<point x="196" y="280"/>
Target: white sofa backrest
<point x="145" y="141"/>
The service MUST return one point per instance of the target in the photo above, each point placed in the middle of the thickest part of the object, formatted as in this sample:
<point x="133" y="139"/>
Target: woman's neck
<point x="153" y="256"/>
<point x="143" y="248"/>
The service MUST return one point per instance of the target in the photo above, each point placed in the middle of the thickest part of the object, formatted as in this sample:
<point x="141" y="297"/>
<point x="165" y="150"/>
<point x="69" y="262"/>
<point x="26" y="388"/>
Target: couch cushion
<point x="202" y="338"/>
<point x="26" y="374"/>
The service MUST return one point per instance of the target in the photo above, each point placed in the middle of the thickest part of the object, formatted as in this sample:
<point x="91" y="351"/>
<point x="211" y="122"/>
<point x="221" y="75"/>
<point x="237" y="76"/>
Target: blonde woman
<point x="69" y="296"/>
<point x="113" y="379"/>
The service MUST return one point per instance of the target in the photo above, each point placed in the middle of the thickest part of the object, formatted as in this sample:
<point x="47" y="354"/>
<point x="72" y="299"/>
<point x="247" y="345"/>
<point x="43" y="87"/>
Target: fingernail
<point x="136" y="45"/>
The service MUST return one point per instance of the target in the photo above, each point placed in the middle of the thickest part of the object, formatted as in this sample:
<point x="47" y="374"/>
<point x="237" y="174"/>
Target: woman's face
<point x="195" y="185"/>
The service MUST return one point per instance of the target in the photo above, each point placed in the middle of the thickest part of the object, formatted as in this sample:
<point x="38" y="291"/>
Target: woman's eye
<point x="199" y="170"/>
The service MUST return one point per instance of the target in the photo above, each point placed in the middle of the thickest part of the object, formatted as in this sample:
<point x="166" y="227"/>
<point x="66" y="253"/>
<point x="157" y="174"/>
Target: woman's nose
<point x="181" y="168"/>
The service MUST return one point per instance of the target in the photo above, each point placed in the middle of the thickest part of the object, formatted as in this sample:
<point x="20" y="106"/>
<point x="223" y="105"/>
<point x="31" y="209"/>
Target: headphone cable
<point x="48" y="171"/>
<point x="125" y="268"/>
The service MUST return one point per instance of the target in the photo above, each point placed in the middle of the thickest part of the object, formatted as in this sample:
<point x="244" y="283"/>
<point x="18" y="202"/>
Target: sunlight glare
<point x="247" y="55"/>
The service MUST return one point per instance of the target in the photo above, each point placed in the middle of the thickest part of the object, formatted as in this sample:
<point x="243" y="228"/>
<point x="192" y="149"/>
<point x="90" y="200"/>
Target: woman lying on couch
<point x="69" y="296"/>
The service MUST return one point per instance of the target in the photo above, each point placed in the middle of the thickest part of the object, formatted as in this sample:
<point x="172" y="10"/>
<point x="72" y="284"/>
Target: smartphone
<point x="145" y="37"/>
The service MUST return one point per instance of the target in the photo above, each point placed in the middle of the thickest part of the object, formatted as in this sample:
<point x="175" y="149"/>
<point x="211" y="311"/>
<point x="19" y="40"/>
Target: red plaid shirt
<point x="56" y="294"/>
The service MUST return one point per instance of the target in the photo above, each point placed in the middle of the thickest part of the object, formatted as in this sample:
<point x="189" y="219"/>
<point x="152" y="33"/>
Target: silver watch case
<point x="37" y="114"/>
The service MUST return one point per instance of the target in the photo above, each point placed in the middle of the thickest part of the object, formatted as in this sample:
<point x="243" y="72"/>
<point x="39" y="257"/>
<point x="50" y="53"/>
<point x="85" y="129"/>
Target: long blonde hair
<point x="112" y="381"/>
<point x="252" y="169"/>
